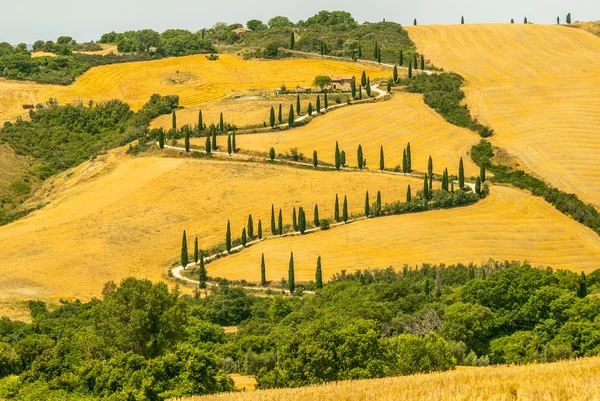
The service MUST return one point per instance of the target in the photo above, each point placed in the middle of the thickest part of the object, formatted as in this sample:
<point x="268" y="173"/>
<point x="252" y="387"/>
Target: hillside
<point x="194" y="78"/>
<point x="535" y="86"/>
<point x="572" y="380"/>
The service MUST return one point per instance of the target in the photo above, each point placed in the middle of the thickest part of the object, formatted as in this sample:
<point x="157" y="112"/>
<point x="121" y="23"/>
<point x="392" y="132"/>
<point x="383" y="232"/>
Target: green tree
<point x="367" y="204"/>
<point x="353" y="89"/>
<point x="291" y="117"/>
<point x="582" y="290"/>
<point x="461" y="174"/>
<point x="221" y="123"/>
<point x="229" y="144"/>
<point x="202" y="274"/>
<point x="280" y="223"/>
<point x="408" y="194"/>
<point x="187" y="141"/>
<point x="273" y="227"/>
<point x="525" y="20"/>
<point x="298" y="111"/>
<point x="263" y="271"/>
<point x="291" y="280"/>
<point x="228" y="237"/>
<point x="430" y="185"/>
<point x="214" y="140"/>
<point x="280" y="115"/>
<point x="318" y="104"/>
<point x="161" y="139"/>
<point x="292" y="40"/>
<point x="336" y="209"/>
<point x="310" y="109"/>
<point x="568" y="18"/>
<point x="343" y="158"/>
<point x="426" y="188"/>
<point x="301" y="220"/>
<point x="410" y="72"/>
<point x="368" y="87"/>
<point x="408" y="158"/>
<point x="415" y="22"/>
<point x="319" y="275"/>
<point x="272" y="117"/>
<point x="272" y="154"/>
<point x="200" y="122"/>
<point x="462" y="20"/>
<point x="472" y="324"/>
<point x="315" y="160"/>
<point x="184" y="251"/>
<point x="395" y="75"/>
<point x="381" y="159"/>
<point x="422" y="63"/>
<point x="322" y="48"/>
<point x="244" y="237"/>
<point x="359" y="51"/>
<point x="363" y="79"/>
<point x="174" y="121"/>
<point x="512" y="21"/>
<point x="379" y="54"/>
<point x="404" y="162"/>
<point x="359" y="157"/>
<point x="478" y="186"/>
<point x="430" y="166"/>
<point x="375" y="50"/>
<point x="207" y="144"/>
<point x="250" y="230"/>
<point x="360" y="92"/>
<point x="557" y="20"/>
<point x="325" y="100"/>
<point x="401" y="58"/>
<point x="345" y="210"/>
<point x="294" y="220"/>
<point x="316" y="220"/>
<point x="233" y="144"/>
<point x="196" y="251"/>
<point x="482" y="172"/>
<point x="389" y="86"/>
<point x="259" y="230"/>
<point x="338" y="156"/>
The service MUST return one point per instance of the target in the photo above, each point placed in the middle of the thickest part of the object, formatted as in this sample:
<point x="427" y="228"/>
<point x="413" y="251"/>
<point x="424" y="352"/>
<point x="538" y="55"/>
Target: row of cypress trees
<point x="291" y="274"/>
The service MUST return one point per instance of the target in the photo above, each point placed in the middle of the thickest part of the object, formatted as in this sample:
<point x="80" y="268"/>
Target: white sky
<point x="29" y="20"/>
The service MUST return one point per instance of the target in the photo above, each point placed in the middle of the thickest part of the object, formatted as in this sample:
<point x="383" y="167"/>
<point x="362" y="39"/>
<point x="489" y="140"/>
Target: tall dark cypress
<point x="430" y="185"/>
<point x="228" y="237"/>
<point x="318" y="104"/>
<point x="410" y="73"/>
<point x="319" y="275"/>
<point x="336" y="209"/>
<point x="360" y="90"/>
<point x="184" y="251"/>
<point x="482" y="172"/>
<point x="367" y="205"/>
<point x="273" y="227"/>
<point x="174" y="121"/>
<point x="322" y="48"/>
<point x="294" y="220"/>
<point x="353" y="89"/>
<point x="395" y="74"/>
<point x="214" y="140"/>
<point x="291" y="117"/>
<point x="415" y="22"/>
<point x="310" y="109"/>
<point x="368" y="87"/>
<point x="359" y="157"/>
<point x="315" y="160"/>
<point x="161" y="139"/>
<point x="430" y="166"/>
<point x="259" y="233"/>
<point x="280" y="223"/>
<point x="381" y="159"/>
<point x="292" y="41"/>
<point x="582" y="291"/>
<point x="338" y="156"/>
<point x="379" y="54"/>
<point x="272" y="117"/>
<point x="202" y="274"/>
<point x="345" y="210"/>
<point x="280" y="115"/>
<point x="196" y="251"/>
<point x="343" y="158"/>
<point x="298" y="111"/>
<point x="291" y="279"/>
<point x="221" y="124"/>
<point x="426" y="188"/>
<point x="404" y="162"/>
<point x="301" y="220"/>
<point x="326" y="101"/>
<point x="378" y="202"/>
<point x="408" y="194"/>
<point x="462" y="20"/>
<point x="375" y="51"/>
<point x="363" y="79"/>
<point x="200" y="122"/>
<point x="525" y="20"/>
<point x="422" y="62"/>
<point x="359" y="51"/>
<point x="244" y="237"/>
<point x="263" y="271"/>
<point x="401" y="60"/>
<point x="408" y="158"/>
<point x="207" y="145"/>
<point x="461" y="174"/>
<point x="250" y="227"/>
<point x="478" y="186"/>
<point x="233" y="144"/>
<point x="316" y="220"/>
<point x="568" y="18"/>
<point x="229" y="144"/>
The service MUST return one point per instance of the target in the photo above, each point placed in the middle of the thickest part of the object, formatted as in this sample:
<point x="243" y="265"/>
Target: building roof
<point x="241" y="30"/>
<point x="338" y="78"/>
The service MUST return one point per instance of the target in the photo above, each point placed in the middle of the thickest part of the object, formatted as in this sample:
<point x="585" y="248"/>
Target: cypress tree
<point x="202" y="274"/>
<point x="426" y="188"/>
<point x="422" y="63"/>
<point x="250" y="227"/>
<point x="292" y="40"/>
<point x="353" y="89"/>
<point x="184" y="251"/>
<point x="343" y="158"/>
<point x="322" y="48"/>
<point x="315" y="160"/>
<point x="462" y="20"/>
<point x="263" y="271"/>
<point x="233" y="145"/>
<point x="272" y="117"/>
<point x="512" y="21"/>
<point x="367" y="205"/>
<point x="478" y="186"/>
<point x="461" y="174"/>
<point x="291" y="281"/>
<point x="568" y="18"/>
<point x="203" y="33"/>
<point x="228" y="237"/>
<point x="368" y="87"/>
<point x="336" y="209"/>
<point x="408" y="158"/>
<point x="359" y="51"/>
<point x="291" y="117"/>
<point x="319" y="275"/>
<point x="298" y="111"/>
<point x="401" y="60"/>
<point x="360" y="92"/>
<point x="395" y="76"/>
<point x="273" y="228"/>
<point x="221" y="124"/>
<point x="345" y="210"/>
<point x="229" y="144"/>
<point x="415" y="22"/>
<point x="318" y="104"/>
<point x="272" y="154"/>
<point x="359" y="157"/>
<point x="301" y="220"/>
<point x="310" y="109"/>
<point x="525" y="20"/>
<point x="363" y="79"/>
<point x="404" y="162"/>
<point x="375" y="51"/>
<point x="379" y="54"/>
<point x="582" y="291"/>
<point x="196" y="251"/>
<point x="174" y="121"/>
<point x="187" y="140"/>
<point x="410" y="74"/>
<point x="389" y="86"/>
<point x="557" y="20"/>
<point x="326" y="102"/>
<point x="408" y="194"/>
<point x="200" y="122"/>
<point x="338" y="157"/>
<point x="431" y="185"/>
<point x="378" y="203"/>
<point x="280" y="115"/>
<point x="280" y="223"/>
<point x="244" y="237"/>
<point x="214" y="140"/>
<point x="482" y="173"/>
<point x="381" y="159"/>
<point x="316" y="220"/>
<point x="161" y="139"/>
<point x="452" y="187"/>
<point x="259" y="234"/>
<point x="294" y="220"/>
<point x="430" y="166"/>
<point x="207" y="144"/>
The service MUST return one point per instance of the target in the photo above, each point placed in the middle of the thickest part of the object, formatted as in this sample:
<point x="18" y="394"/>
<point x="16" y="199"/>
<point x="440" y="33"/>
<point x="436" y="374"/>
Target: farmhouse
<point x="303" y="89"/>
<point x="343" y="82"/>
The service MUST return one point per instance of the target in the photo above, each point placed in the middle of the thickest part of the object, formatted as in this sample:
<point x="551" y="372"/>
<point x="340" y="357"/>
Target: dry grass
<point x="508" y="225"/>
<point x="118" y="217"/>
<point x="204" y="81"/>
<point x="572" y="380"/>
<point x="537" y="87"/>
<point x="591" y="27"/>
<point x="392" y="124"/>
<point x="42" y="54"/>
<point x="11" y="168"/>
<point x="243" y="383"/>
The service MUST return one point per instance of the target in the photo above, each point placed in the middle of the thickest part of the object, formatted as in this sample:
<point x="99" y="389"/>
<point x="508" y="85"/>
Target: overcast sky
<point x="27" y="21"/>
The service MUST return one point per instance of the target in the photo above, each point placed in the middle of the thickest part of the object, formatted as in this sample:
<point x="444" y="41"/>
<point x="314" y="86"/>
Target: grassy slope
<point x="572" y="380"/>
<point x="203" y="81"/>
<point x="535" y="85"/>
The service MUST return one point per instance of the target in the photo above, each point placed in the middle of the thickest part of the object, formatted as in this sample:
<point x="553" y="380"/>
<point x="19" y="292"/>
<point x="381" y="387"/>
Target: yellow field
<point x="392" y="124"/>
<point x="508" y="225"/>
<point x="572" y="380"/>
<point x="118" y="217"/>
<point x="537" y="86"/>
<point x="195" y="79"/>
<point x="106" y="49"/>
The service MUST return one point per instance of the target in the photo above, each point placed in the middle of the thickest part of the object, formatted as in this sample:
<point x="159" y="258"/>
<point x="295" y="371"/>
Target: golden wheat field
<point x="194" y="78"/>
<point x="391" y="124"/>
<point x="508" y="225"/>
<point x="576" y="380"/>
<point x="118" y="217"/>
<point x="537" y="86"/>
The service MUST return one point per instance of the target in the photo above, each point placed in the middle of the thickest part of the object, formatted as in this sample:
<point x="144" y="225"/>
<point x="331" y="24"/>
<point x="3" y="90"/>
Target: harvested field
<point x="570" y="380"/>
<point x="536" y="86"/>
<point x="508" y="225"/>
